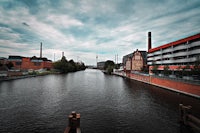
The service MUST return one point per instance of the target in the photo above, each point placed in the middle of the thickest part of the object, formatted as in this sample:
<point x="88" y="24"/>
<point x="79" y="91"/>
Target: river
<point x="107" y="104"/>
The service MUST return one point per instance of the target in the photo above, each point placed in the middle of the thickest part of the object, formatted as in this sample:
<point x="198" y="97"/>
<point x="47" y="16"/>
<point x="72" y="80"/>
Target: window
<point x="37" y="63"/>
<point x="18" y="63"/>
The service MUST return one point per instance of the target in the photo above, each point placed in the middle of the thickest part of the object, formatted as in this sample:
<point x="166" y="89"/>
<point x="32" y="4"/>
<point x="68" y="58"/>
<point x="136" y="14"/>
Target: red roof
<point x="184" y="40"/>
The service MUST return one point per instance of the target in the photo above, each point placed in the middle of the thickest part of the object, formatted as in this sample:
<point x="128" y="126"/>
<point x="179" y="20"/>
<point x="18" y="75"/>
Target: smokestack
<point x="149" y="40"/>
<point x="41" y="50"/>
<point x="62" y="54"/>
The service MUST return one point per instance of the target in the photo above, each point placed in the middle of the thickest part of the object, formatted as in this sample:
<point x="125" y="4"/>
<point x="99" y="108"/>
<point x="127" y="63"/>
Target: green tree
<point x="155" y="69"/>
<point x="109" y="63"/>
<point x="109" y="66"/>
<point x="196" y="68"/>
<point x="62" y="65"/>
<point x="65" y="66"/>
<point x="166" y="70"/>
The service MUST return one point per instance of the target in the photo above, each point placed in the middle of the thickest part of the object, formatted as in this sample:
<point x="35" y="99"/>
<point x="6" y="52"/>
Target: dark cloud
<point x="25" y="24"/>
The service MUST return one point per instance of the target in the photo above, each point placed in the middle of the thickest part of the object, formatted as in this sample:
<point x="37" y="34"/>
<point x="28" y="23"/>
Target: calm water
<point x="108" y="104"/>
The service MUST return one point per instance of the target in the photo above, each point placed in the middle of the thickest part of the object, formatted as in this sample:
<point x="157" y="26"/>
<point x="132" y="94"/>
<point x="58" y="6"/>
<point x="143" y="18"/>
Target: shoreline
<point x="17" y="77"/>
<point x="179" y="90"/>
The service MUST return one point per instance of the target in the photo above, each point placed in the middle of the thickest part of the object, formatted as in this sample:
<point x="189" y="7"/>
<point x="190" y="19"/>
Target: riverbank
<point x="16" y="77"/>
<point x="187" y="88"/>
<point x="26" y="76"/>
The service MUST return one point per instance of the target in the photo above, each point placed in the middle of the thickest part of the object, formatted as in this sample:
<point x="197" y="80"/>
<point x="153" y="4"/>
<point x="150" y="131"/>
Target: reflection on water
<point x="106" y="103"/>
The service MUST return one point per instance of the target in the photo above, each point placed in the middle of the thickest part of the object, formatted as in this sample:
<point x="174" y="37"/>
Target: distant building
<point x="135" y="61"/>
<point x="26" y="63"/>
<point x="3" y="60"/>
<point x="100" y="65"/>
<point x="127" y="61"/>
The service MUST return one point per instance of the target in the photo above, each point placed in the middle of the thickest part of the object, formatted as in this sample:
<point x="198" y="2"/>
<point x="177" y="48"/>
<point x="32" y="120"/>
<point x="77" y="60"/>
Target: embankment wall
<point x="174" y="85"/>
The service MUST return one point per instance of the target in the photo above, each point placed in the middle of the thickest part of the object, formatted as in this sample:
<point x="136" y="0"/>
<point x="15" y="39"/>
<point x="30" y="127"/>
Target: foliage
<point x="109" y="69"/>
<point x="166" y="70"/>
<point x="109" y="66"/>
<point x="117" y="66"/>
<point x="196" y="68"/>
<point x="65" y="66"/>
<point x="145" y="69"/>
<point x="155" y="69"/>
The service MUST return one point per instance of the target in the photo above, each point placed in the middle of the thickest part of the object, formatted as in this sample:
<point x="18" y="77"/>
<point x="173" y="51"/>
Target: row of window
<point x="35" y="63"/>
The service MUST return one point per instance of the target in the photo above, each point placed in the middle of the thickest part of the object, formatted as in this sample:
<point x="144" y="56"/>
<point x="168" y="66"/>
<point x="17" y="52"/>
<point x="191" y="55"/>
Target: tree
<point x="145" y="69"/>
<point x="108" y="63"/>
<point x="61" y="65"/>
<point x="155" y="69"/>
<point x="65" y="66"/>
<point x="166" y="70"/>
<point x="109" y="66"/>
<point x="196" y="68"/>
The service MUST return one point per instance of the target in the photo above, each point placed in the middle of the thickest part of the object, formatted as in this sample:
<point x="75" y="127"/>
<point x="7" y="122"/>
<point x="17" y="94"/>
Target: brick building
<point x="135" y="61"/>
<point x="26" y="63"/>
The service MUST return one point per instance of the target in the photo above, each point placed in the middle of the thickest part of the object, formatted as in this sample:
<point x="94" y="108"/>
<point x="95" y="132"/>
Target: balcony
<point x="194" y="44"/>
<point x="180" y="47"/>
<point x="157" y="53"/>
<point x="150" y="54"/>
<point x="184" y="53"/>
<point x="167" y="50"/>
<point x="149" y="63"/>
<point x="185" y="60"/>
<point x="167" y="61"/>
<point x="196" y="51"/>
<point x="168" y="56"/>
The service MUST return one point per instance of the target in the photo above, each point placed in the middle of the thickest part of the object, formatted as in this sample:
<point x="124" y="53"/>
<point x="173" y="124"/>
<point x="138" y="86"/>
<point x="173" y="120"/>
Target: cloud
<point x="25" y="24"/>
<point x="88" y="28"/>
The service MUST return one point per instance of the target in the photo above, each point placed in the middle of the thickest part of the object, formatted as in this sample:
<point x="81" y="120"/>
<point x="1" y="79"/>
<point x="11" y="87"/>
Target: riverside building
<point x="178" y="58"/>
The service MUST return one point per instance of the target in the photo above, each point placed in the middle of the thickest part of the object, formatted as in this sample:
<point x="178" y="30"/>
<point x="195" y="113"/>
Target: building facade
<point x="26" y="63"/>
<point x="175" y="56"/>
<point x="101" y="65"/>
<point x="135" y="61"/>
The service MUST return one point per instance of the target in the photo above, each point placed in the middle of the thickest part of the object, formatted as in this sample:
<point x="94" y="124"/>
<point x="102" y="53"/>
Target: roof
<point x="125" y="58"/>
<point x="11" y="57"/>
<point x="178" y="42"/>
<point x="3" y="58"/>
<point x="38" y="58"/>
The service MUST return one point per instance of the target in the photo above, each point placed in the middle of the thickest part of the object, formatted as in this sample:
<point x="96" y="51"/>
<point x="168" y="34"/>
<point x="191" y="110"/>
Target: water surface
<point x="108" y="104"/>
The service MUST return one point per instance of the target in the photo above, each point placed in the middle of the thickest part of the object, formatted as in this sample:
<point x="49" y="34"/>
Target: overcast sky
<point x="83" y="29"/>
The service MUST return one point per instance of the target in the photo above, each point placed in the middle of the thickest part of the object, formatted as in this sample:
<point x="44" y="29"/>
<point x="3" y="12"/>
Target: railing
<point x="187" y="118"/>
<point x="74" y="123"/>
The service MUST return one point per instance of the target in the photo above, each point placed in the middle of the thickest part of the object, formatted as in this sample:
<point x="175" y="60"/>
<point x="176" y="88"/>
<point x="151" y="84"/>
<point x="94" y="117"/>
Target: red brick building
<point x="27" y="63"/>
<point x="135" y="61"/>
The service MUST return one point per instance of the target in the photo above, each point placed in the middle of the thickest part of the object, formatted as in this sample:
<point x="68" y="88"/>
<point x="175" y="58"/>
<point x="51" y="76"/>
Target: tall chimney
<point x="149" y="40"/>
<point x="41" y="50"/>
<point x="62" y="54"/>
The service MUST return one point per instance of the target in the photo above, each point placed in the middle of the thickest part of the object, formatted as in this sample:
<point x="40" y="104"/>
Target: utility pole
<point x="41" y="50"/>
<point x="96" y="59"/>
<point x="117" y="58"/>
